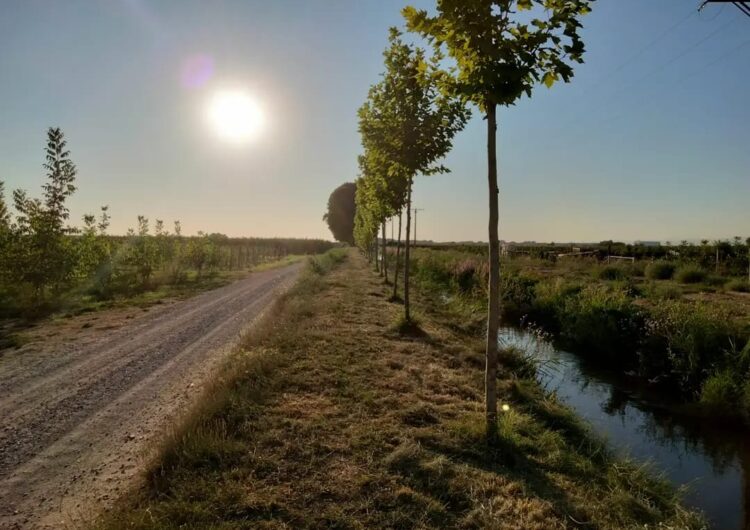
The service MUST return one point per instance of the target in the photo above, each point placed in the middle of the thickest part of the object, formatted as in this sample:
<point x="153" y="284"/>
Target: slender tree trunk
<point x="375" y="256"/>
<point x="493" y="302"/>
<point x="398" y="252"/>
<point x="385" y="263"/>
<point x="407" y="314"/>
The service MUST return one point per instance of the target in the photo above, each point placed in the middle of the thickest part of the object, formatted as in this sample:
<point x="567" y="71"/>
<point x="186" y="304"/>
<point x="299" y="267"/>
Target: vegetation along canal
<point x="711" y="462"/>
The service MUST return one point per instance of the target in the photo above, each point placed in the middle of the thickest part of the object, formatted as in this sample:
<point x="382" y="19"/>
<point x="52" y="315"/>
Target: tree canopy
<point x="340" y="213"/>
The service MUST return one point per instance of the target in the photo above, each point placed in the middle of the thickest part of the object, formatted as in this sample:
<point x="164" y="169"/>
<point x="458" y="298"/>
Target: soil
<point x="84" y="402"/>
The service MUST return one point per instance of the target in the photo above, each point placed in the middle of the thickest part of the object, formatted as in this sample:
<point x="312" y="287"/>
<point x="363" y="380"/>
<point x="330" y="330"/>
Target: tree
<point x="5" y="238"/>
<point x="44" y="256"/>
<point x="340" y="214"/>
<point x="407" y="124"/>
<point x="499" y="57"/>
<point x="144" y="253"/>
<point x="4" y="213"/>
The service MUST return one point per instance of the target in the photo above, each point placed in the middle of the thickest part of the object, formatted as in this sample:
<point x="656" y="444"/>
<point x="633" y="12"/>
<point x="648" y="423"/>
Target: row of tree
<point x="496" y="51"/>
<point x="44" y="261"/>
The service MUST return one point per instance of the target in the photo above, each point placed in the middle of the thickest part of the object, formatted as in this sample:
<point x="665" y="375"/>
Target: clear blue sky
<point x="649" y="145"/>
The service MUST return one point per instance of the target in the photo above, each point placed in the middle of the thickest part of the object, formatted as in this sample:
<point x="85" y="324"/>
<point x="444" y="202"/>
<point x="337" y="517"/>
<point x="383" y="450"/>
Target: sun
<point x="235" y="115"/>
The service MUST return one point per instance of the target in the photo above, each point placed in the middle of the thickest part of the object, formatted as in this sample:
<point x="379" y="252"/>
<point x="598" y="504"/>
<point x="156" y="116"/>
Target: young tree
<point x="144" y="253"/>
<point x="499" y="57"/>
<point x="5" y="239"/>
<point x="4" y="213"/>
<point x="407" y="124"/>
<point x="340" y="213"/>
<point x="44" y="255"/>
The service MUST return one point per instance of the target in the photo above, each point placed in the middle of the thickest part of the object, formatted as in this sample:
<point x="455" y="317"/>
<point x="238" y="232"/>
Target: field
<point x="329" y="418"/>
<point x="665" y="320"/>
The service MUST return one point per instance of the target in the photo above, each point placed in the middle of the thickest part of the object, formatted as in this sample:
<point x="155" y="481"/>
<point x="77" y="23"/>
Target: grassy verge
<point x="13" y="332"/>
<point x="329" y="418"/>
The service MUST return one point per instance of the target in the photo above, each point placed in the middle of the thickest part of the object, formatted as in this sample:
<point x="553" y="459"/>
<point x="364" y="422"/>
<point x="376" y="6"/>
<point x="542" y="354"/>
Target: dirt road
<point x="79" y="413"/>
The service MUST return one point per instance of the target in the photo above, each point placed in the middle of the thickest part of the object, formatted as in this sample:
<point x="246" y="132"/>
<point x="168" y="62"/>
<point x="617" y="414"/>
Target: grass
<point x="283" y="262"/>
<point x="12" y="332"/>
<point x="331" y="418"/>
<point x="677" y="332"/>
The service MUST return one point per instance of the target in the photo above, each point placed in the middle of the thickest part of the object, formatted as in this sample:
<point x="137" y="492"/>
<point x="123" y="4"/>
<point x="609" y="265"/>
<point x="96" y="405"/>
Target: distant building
<point x="648" y="243"/>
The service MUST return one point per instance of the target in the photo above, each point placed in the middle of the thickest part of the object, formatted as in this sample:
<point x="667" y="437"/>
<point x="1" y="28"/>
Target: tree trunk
<point x="398" y="252"/>
<point x="375" y="256"/>
<point x="384" y="262"/>
<point x="407" y="314"/>
<point x="493" y="302"/>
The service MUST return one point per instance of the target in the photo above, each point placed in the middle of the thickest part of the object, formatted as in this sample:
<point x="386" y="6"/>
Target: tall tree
<point x="501" y="55"/>
<point x="45" y="256"/>
<point x="407" y="124"/>
<point x="340" y="213"/>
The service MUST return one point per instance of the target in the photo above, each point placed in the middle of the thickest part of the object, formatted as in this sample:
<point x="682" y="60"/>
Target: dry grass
<point x="332" y="419"/>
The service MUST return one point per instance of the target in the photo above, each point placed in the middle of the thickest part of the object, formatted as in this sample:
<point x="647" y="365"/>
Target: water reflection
<point x="712" y="461"/>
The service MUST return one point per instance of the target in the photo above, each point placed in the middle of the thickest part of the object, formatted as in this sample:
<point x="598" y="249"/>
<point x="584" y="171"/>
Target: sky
<point x="649" y="140"/>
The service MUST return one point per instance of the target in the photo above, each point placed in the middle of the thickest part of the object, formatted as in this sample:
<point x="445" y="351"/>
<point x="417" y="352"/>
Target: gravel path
<point x="77" y="417"/>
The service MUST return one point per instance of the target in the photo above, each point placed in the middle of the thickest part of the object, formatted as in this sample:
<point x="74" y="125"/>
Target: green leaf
<point x="524" y="5"/>
<point x="549" y="79"/>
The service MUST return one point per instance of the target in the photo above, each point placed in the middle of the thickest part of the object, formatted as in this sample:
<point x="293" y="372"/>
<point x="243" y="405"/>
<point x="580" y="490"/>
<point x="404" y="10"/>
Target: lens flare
<point x="235" y="116"/>
<point x="197" y="70"/>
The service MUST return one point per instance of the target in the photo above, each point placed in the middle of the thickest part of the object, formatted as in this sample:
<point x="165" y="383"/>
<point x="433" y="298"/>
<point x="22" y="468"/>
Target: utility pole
<point x="415" y="222"/>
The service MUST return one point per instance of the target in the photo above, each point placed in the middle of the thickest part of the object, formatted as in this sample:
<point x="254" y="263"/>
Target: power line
<point x="644" y="49"/>
<point x="742" y="6"/>
<point x="723" y="57"/>
<point x="680" y="55"/>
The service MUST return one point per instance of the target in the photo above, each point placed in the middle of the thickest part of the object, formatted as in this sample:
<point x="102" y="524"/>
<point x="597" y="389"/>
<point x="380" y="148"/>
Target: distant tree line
<point x="729" y="257"/>
<point x="44" y="260"/>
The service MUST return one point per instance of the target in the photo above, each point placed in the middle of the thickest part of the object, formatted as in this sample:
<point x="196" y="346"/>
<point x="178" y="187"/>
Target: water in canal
<point x="712" y="461"/>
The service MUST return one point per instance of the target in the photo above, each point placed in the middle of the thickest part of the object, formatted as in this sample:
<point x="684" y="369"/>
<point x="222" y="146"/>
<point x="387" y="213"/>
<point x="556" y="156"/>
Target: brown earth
<point x="83" y="402"/>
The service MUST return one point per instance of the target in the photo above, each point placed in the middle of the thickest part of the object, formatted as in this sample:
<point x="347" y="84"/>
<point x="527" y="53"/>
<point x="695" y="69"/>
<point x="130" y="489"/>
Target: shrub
<point x="660" y="270"/>
<point x="714" y="280"/>
<point x="517" y="295"/>
<point x="745" y="403"/>
<point x="664" y="292"/>
<point x="690" y="274"/>
<point x="604" y="320"/>
<point x="610" y="272"/>
<point x="638" y="269"/>
<point x="738" y="285"/>
<point x="719" y="390"/>
<point x="687" y="338"/>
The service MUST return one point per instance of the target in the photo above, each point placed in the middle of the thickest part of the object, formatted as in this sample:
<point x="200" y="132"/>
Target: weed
<point x="660" y="270"/>
<point x="690" y="274"/>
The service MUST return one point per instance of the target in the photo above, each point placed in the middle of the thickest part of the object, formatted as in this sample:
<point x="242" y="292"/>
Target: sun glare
<point x="235" y="116"/>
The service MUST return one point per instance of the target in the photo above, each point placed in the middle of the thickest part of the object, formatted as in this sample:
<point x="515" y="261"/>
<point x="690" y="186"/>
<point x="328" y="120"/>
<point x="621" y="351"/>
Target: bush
<point x="719" y="390"/>
<point x="638" y="269"/>
<point x="664" y="292"/>
<point x="690" y="274"/>
<point x="714" y="280"/>
<point x="610" y="272"/>
<point x="738" y="285"/>
<point x="660" y="270"/>
<point x="604" y="320"/>
<point x="686" y="338"/>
